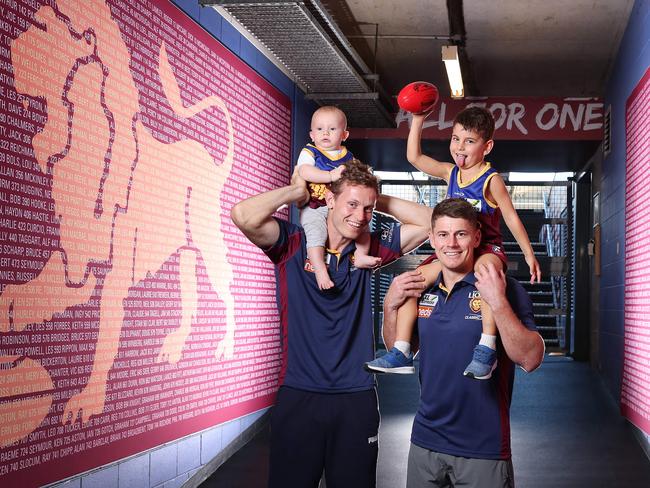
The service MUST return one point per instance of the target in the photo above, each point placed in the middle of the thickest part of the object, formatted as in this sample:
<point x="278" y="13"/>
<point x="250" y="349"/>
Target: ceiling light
<point x="450" y="58"/>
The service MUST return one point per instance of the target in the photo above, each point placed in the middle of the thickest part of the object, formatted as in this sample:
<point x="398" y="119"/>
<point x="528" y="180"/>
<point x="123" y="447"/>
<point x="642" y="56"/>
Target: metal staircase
<point x="546" y="214"/>
<point x="548" y="304"/>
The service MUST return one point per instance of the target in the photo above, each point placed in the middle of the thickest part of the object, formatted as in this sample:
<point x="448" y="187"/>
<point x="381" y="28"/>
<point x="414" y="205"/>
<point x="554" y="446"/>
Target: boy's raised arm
<point x="424" y="163"/>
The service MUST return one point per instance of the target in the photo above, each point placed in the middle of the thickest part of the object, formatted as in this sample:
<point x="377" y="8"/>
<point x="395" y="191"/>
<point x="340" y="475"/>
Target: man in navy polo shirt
<point x="326" y="418"/>
<point x="461" y="431"/>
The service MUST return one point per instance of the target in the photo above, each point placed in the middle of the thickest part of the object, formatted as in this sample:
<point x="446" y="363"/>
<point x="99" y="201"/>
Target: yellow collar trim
<point x="463" y="185"/>
<point x="329" y="154"/>
<point x="333" y="251"/>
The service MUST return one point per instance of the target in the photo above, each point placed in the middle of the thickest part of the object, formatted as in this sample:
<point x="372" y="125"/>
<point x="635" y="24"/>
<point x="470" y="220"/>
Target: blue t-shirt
<point x="327" y="336"/>
<point x="458" y="415"/>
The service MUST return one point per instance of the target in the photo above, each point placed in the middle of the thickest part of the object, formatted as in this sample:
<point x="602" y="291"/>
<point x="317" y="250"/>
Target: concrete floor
<point x="566" y="433"/>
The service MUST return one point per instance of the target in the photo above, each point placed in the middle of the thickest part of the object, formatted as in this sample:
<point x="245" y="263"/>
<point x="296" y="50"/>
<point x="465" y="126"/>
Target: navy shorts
<point x="334" y="433"/>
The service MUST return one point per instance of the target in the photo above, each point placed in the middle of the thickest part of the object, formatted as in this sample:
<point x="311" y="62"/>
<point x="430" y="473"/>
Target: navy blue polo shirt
<point x="459" y="415"/>
<point x="327" y="335"/>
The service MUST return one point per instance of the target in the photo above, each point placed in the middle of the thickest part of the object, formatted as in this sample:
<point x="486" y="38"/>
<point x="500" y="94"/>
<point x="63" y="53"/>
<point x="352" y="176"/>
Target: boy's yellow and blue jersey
<point x="458" y="415"/>
<point x="326" y="163"/>
<point x="326" y="337"/>
<point x="474" y="192"/>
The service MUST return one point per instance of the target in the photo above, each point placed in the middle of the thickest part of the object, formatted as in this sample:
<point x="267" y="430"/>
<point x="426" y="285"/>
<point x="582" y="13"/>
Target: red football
<point x="418" y="97"/>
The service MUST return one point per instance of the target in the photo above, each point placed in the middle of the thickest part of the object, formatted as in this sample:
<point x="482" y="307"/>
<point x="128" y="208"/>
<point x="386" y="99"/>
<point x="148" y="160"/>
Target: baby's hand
<point x="337" y="172"/>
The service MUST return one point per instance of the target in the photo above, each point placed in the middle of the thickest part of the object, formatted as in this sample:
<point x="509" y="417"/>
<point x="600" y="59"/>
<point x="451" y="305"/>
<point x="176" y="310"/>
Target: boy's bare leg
<point x="316" y="257"/>
<point x="489" y="324"/>
<point x="407" y="316"/>
<point x="400" y="358"/>
<point x="484" y="360"/>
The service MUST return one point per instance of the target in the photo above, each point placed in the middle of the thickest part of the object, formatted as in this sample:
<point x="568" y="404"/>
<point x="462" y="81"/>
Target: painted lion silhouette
<point x="124" y="200"/>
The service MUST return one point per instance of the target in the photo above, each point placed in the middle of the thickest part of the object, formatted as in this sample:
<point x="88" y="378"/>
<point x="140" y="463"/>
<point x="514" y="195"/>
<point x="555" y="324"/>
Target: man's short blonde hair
<point x="356" y="174"/>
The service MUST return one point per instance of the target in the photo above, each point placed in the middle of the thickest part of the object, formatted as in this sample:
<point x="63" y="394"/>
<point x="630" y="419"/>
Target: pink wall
<point x="132" y="311"/>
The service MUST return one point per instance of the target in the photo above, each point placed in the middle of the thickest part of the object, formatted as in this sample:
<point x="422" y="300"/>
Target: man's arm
<point x="254" y="218"/>
<point x="523" y="346"/>
<point x="408" y="285"/>
<point x="415" y="219"/>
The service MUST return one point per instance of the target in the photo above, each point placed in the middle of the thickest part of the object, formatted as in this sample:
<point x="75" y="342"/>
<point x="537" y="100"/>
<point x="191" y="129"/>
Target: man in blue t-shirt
<point x="325" y="419"/>
<point x="461" y="431"/>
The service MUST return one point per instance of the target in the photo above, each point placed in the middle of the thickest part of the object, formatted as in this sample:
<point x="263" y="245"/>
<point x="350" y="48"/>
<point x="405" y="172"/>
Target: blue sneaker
<point x="394" y="361"/>
<point x="483" y="363"/>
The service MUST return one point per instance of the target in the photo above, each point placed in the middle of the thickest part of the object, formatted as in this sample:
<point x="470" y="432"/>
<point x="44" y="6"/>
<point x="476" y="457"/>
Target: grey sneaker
<point x="394" y="361"/>
<point x="483" y="363"/>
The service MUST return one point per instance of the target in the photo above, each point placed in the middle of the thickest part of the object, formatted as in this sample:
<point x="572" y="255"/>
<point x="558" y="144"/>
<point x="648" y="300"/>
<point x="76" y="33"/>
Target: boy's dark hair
<point x="456" y="208"/>
<point x="479" y="119"/>
<point x="356" y="173"/>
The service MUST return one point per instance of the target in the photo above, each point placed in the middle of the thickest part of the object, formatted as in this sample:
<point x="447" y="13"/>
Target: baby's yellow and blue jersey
<point x="324" y="162"/>
<point x="326" y="336"/>
<point x="474" y="192"/>
<point x="457" y="415"/>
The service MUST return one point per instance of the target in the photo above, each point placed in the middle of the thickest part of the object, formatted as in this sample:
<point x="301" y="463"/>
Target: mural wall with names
<point x="132" y="311"/>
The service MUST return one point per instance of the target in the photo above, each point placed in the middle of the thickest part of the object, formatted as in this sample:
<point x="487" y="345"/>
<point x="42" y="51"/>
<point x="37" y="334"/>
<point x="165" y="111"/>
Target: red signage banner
<point x="635" y="388"/>
<point x="132" y="311"/>
<point x="523" y="118"/>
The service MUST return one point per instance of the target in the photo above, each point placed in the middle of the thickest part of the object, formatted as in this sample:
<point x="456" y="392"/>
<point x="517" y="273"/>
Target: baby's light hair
<point x="331" y="109"/>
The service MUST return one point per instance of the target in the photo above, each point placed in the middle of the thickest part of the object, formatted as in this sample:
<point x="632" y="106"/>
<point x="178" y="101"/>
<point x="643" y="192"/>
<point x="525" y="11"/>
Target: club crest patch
<point x="475" y="304"/>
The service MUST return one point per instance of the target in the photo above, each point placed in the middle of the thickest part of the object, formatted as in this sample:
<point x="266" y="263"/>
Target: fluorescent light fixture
<point x="450" y="58"/>
<point x="522" y="176"/>
<point x="401" y="175"/>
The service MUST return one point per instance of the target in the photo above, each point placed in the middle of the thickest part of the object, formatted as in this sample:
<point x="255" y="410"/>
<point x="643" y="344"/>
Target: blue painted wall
<point x="631" y="63"/>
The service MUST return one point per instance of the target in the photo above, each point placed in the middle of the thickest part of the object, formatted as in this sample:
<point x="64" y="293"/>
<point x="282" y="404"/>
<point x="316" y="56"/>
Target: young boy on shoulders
<point x="472" y="178"/>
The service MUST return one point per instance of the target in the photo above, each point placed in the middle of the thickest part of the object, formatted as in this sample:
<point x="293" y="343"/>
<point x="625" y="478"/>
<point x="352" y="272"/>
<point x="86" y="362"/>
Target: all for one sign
<point x="515" y="119"/>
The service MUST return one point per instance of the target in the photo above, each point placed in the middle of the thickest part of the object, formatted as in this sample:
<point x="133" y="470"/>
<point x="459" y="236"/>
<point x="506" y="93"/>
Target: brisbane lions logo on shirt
<point x="474" y="305"/>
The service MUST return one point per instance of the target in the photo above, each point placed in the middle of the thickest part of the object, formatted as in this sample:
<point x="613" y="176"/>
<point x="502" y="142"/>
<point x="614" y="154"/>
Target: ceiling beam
<point x="458" y="35"/>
